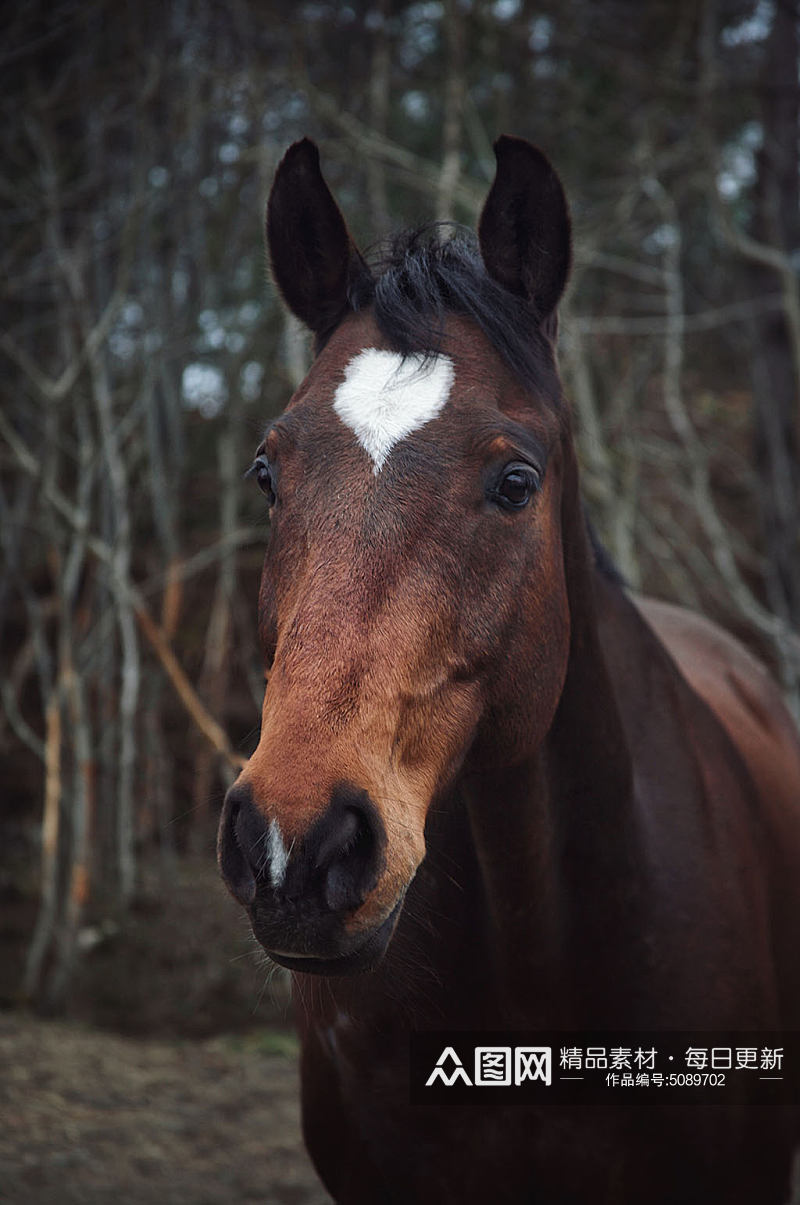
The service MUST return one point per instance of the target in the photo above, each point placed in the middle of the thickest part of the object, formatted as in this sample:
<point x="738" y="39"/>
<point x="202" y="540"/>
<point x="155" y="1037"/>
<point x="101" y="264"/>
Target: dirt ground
<point x="90" y="1117"/>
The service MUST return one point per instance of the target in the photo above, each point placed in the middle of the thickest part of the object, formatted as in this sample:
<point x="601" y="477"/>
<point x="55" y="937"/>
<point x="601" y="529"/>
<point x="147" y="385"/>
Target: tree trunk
<point x="776" y="223"/>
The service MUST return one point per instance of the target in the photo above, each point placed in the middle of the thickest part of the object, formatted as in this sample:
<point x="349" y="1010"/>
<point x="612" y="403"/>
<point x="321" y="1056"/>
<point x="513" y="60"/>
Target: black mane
<point x="423" y="278"/>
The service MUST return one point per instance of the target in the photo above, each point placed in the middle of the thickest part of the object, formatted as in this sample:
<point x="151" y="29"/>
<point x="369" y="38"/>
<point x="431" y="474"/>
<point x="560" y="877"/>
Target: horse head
<point x="413" y="608"/>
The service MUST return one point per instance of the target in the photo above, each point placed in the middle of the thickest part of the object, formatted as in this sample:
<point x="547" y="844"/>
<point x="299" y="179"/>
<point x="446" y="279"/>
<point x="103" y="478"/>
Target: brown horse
<point x="507" y="793"/>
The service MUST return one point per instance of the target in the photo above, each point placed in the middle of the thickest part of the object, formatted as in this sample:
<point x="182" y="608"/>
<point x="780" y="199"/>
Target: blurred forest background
<point x="143" y="350"/>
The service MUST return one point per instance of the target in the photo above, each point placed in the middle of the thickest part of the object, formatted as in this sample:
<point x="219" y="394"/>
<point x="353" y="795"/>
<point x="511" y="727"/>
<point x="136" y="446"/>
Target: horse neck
<point x="586" y="748"/>
<point x="556" y="836"/>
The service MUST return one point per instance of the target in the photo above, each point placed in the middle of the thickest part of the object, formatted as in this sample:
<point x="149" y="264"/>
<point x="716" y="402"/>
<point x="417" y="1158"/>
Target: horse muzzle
<point x="307" y="898"/>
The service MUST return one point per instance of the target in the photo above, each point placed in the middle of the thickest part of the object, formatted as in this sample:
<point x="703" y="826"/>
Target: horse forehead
<point x="384" y="396"/>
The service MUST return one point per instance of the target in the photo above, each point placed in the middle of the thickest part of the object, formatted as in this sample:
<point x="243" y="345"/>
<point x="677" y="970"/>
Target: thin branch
<point x="769" y="257"/>
<point x="55" y="390"/>
<point x="418" y="172"/>
<point x="454" y="90"/>
<point x="211" y="730"/>
<point x="18" y="723"/>
<point x="703" y="320"/>
<point x="786" y="641"/>
<point x="50" y="831"/>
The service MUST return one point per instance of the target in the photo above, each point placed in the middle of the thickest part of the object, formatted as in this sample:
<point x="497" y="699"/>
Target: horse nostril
<point x="241" y="830"/>
<point x="349" y="851"/>
<point x="334" y="868"/>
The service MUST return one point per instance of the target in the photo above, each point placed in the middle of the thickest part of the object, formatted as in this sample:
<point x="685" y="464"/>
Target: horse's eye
<point x="516" y="486"/>
<point x="263" y="474"/>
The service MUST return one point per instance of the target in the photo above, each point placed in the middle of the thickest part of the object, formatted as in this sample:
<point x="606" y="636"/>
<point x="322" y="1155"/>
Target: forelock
<point x="423" y="277"/>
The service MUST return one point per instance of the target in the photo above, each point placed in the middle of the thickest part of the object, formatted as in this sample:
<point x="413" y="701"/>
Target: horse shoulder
<point x="742" y="695"/>
<point x="748" y="704"/>
<point x="746" y="701"/>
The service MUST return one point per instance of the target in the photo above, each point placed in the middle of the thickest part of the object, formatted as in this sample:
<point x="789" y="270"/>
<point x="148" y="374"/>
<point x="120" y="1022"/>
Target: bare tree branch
<point x="786" y="641"/>
<point x="177" y="676"/>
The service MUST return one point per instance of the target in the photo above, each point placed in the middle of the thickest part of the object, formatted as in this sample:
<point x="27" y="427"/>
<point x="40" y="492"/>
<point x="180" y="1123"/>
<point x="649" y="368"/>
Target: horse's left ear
<point x="524" y="231"/>
<point x="314" y="260"/>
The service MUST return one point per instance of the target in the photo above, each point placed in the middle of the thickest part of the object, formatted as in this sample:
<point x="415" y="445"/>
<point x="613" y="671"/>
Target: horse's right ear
<point x="314" y="260"/>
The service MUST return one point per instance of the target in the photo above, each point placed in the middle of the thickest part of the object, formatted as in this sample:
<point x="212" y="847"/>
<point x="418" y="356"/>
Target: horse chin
<point x="352" y="960"/>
